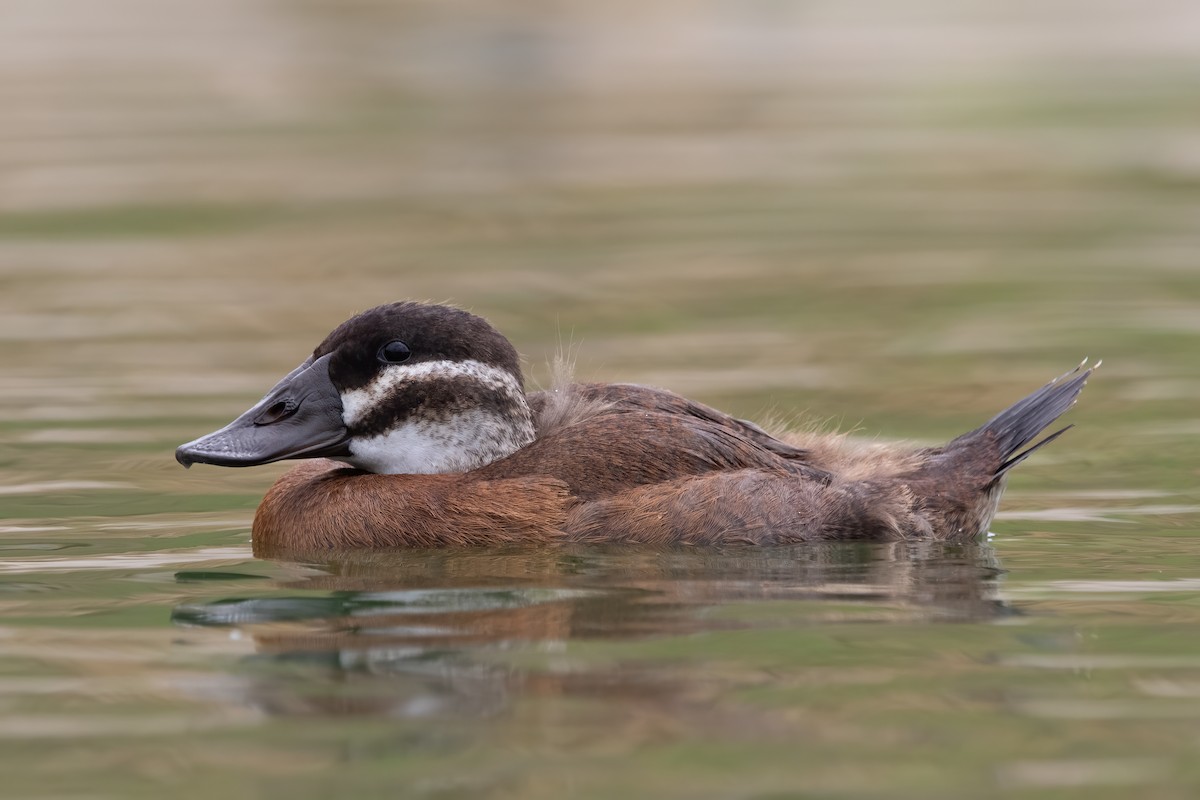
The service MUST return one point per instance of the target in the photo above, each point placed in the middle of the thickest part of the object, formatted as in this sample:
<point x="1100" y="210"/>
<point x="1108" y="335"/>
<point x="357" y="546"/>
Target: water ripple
<point x="127" y="561"/>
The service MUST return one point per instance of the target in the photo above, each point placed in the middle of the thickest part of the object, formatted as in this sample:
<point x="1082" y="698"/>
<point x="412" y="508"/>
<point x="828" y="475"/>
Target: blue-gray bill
<point x="301" y="417"/>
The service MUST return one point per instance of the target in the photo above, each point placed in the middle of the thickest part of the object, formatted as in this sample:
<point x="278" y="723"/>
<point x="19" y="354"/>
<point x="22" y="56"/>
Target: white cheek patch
<point x="402" y="451"/>
<point x="434" y="444"/>
<point x="357" y="403"/>
<point x="472" y="439"/>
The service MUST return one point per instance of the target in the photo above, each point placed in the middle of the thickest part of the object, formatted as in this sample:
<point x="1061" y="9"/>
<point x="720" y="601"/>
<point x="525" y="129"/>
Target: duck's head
<point x="405" y="387"/>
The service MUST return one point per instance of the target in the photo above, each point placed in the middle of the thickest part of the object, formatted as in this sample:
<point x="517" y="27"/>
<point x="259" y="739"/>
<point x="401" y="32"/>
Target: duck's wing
<point x="570" y="404"/>
<point x="643" y="439"/>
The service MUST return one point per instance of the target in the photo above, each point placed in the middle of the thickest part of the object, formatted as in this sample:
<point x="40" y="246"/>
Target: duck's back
<point x="612" y="438"/>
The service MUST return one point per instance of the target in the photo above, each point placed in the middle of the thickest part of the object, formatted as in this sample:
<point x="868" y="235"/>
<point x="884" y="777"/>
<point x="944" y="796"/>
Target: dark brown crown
<point x="432" y="333"/>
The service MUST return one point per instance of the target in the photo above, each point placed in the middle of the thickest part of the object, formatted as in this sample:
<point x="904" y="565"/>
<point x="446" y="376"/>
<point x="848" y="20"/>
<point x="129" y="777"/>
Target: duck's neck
<point x="461" y="424"/>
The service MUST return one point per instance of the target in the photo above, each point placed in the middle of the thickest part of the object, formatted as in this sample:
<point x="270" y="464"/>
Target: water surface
<point x="830" y="214"/>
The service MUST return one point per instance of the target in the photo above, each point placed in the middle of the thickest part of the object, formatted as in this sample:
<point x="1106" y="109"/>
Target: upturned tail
<point x="959" y="485"/>
<point x="1019" y="424"/>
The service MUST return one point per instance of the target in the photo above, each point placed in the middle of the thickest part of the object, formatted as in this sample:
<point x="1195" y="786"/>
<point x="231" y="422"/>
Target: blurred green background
<point x="895" y="217"/>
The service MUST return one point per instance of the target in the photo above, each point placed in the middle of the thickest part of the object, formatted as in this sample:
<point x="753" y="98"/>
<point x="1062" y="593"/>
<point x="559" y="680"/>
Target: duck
<point x="413" y="429"/>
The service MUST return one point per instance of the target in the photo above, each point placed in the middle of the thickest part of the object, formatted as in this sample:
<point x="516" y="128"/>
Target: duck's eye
<point x="394" y="352"/>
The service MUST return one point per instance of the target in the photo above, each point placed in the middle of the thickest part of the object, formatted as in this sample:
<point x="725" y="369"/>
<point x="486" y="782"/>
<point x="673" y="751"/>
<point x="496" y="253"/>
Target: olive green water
<point x="896" y="219"/>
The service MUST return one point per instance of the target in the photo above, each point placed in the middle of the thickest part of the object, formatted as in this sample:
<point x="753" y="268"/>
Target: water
<point x="827" y="213"/>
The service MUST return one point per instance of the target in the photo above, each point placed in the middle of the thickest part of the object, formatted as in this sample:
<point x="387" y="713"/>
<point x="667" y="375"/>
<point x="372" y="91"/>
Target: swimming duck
<point x="417" y="431"/>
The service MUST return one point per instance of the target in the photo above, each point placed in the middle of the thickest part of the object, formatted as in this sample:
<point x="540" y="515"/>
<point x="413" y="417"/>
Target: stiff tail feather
<point x="1019" y="424"/>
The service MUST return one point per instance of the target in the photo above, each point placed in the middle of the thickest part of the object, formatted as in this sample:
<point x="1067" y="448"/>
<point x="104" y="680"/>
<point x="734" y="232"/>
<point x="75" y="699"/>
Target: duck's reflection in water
<point x="460" y="633"/>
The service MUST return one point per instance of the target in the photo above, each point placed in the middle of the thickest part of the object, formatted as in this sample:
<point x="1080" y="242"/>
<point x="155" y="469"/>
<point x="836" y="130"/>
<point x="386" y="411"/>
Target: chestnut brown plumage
<point x="427" y="405"/>
<point x="639" y="465"/>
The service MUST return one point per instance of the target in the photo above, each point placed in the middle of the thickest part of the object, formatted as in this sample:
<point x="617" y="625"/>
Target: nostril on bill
<point x="276" y="412"/>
